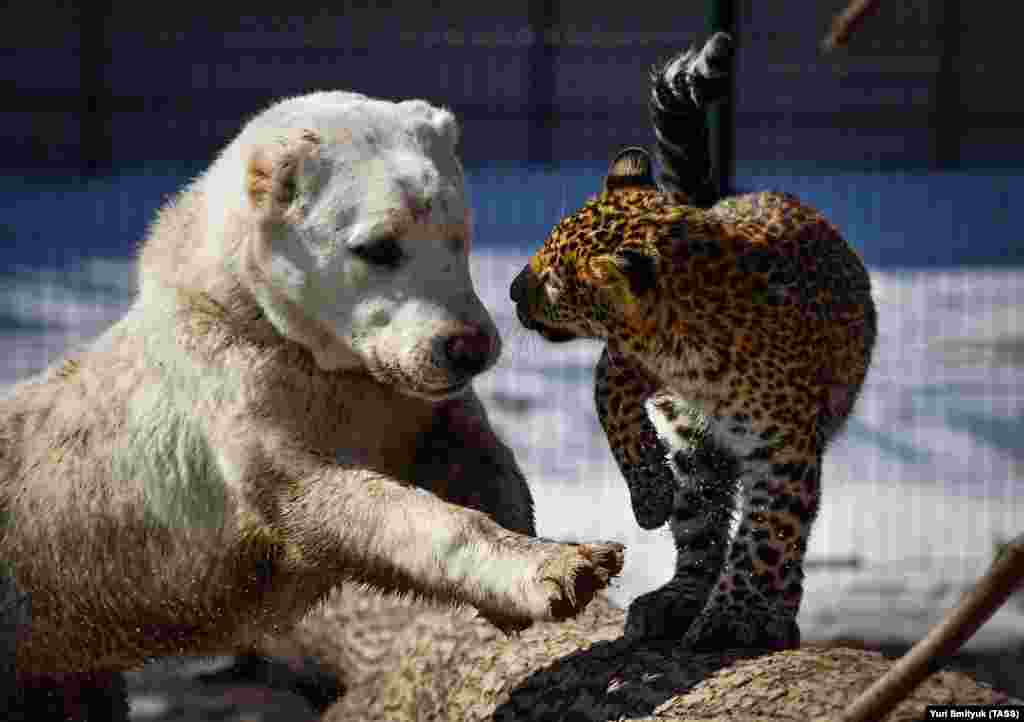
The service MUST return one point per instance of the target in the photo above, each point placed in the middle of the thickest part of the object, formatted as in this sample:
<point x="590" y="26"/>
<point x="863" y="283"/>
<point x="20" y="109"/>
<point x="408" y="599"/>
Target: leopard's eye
<point x="383" y="251"/>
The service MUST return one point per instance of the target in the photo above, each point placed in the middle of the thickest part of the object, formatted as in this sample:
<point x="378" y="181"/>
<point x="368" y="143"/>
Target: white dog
<point x="286" y="406"/>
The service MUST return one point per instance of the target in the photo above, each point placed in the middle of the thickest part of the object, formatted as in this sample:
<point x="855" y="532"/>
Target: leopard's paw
<point x="716" y="632"/>
<point x="665" y="613"/>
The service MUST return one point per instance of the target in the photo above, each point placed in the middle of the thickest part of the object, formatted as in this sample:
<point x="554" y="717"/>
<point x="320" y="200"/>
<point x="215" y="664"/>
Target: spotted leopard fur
<point x="668" y="475"/>
<point x="738" y="338"/>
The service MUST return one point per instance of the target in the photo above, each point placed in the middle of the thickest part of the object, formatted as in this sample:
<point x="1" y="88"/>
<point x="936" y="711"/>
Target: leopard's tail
<point x="681" y="91"/>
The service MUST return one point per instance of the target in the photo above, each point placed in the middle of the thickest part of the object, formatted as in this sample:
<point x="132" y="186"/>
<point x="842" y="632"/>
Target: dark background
<point x="101" y="84"/>
<point x="908" y="139"/>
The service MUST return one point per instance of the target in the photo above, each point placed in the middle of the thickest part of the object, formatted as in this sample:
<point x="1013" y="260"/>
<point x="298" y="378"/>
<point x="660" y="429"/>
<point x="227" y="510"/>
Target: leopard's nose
<point x="517" y="292"/>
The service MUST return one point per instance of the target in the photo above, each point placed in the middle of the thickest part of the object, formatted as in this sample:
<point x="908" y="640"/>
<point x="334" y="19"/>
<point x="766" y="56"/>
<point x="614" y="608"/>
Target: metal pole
<point x="721" y="16"/>
<point x="543" y="19"/>
<point x="947" y="107"/>
<point x="94" y="97"/>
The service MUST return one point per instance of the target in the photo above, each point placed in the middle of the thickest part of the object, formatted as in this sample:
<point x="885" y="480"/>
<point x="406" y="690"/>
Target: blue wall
<point x="113" y="104"/>
<point x="895" y="219"/>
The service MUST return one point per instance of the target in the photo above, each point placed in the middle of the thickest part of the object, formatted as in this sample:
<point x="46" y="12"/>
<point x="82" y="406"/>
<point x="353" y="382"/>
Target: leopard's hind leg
<point x="756" y="599"/>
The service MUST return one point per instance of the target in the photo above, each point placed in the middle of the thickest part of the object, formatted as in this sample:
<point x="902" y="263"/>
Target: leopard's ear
<point x="631" y="168"/>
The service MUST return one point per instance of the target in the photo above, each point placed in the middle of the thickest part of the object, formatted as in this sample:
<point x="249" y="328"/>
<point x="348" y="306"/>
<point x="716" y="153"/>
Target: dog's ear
<point x="274" y="169"/>
<point x="440" y="121"/>
<point x="631" y="168"/>
<point x="446" y="126"/>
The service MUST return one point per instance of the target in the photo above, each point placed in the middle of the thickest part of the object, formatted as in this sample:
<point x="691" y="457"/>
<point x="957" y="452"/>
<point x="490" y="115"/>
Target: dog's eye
<point x="380" y="252"/>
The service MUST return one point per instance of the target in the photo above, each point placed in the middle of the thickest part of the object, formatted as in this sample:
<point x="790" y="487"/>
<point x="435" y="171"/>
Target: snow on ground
<point x="923" y="483"/>
<point x="925" y="480"/>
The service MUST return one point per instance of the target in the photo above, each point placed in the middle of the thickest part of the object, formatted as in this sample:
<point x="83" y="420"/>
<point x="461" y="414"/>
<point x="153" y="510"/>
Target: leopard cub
<point x="738" y="338"/>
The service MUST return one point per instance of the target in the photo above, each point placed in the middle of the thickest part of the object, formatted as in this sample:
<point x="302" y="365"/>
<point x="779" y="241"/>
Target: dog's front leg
<point x="366" y="527"/>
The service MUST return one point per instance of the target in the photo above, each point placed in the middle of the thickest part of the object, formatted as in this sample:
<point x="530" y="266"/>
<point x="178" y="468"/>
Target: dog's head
<point x="357" y="239"/>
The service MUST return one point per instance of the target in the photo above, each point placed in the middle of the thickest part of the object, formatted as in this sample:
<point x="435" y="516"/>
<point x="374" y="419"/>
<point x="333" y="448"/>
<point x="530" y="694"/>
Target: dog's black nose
<point x="469" y="352"/>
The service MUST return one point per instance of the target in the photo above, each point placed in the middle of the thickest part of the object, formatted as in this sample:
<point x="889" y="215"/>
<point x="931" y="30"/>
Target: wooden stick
<point x="847" y="22"/>
<point x="925" y="657"/>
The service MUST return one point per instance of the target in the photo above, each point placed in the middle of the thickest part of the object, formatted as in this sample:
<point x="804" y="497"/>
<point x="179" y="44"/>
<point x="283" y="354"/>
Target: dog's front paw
<point x="576" y="573"/>
<point x="564" y="580"/>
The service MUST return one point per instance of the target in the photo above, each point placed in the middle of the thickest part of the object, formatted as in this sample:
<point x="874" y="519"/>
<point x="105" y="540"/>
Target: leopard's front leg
<point x="620" y="390"/>
<point x="659" y="444"/>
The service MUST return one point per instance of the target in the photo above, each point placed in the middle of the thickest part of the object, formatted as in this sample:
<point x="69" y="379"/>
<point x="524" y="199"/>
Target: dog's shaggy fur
<point x="287" y="406"/>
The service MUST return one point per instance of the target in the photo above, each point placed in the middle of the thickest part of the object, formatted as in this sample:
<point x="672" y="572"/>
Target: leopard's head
<point x="757" y="305"/>
<point x="599" y="264"/>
